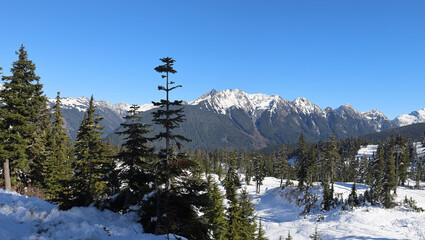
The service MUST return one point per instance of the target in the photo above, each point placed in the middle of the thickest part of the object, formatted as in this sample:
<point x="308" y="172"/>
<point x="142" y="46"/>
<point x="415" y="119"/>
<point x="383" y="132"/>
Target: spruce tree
<point x="18" y="114"/>
<point x="58" y="165"/>
<point x="261" y="233"/>
<point x="178" y="191"/>
<point x="377" y="176"/>
<point x="281" y="165"/>
<point x="389" y="181"/>
<point x="259" y="171"/>
<point x="248" y="225"/>
<point x="136" y="168"/>
<point x="302" y="162"/>
<point x="90" y="160"/>
<point x="289" y="236"/>
<point x="216" y="211"/>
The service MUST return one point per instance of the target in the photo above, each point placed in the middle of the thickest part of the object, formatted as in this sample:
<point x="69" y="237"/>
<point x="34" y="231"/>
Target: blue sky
<point x="370" y="54"/>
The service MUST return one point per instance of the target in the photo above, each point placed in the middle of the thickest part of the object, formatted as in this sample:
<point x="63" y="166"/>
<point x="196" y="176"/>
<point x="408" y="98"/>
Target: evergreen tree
<point x="168" y="115"/>
<point x="377" y="176"/>
<point x="234" y="211"/>
<point x="136" y="170"/>
<point x="248" y="225"/>
<point x="390" y="181"/>
<point x="215" y="213"/>
<point x="315" y="235"/>
<point x="282" y="165"/>
<point x="18" y="114"/>
<point x="353" y="200"/>
<point x="58" y="165"/>
<point x="90" y="159"/>
<point x="302" y="162"/>
<point x="289" y="236"/>
<point x="261" y="233"/>
<point x="403" y="166"/>
<point x="38" y="152"/>
<point x="259" y="171"/>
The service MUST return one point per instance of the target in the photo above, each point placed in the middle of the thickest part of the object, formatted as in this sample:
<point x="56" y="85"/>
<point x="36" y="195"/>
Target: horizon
<point x="370" y="55"/>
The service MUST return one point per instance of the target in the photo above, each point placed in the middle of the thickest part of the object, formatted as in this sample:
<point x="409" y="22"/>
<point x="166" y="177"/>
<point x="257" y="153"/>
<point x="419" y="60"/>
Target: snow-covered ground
<point x="281" y="214"/>
<point x="30" y="218"/>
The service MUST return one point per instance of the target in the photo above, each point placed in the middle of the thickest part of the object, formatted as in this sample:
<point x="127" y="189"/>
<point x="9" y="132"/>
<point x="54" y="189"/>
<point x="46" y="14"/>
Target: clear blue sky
<point x="370" y="54"/>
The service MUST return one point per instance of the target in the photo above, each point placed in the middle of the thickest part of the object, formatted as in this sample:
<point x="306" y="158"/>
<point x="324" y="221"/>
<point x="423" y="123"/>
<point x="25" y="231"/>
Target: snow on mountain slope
<point x="82" y="103"/>
<point x="411" y="118"/>
<point x="253" y="104"/>
<point x="29" y="218"/>
<point x="280" y="215"/>
<point x="368" y="151"/>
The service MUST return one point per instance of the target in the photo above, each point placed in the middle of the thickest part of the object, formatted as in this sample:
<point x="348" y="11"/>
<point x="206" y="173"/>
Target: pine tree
<point x="58" y="165"/>
<point x="38" y="152"/>
<point x="403" y="166"/>
<point x="215" y="212"/>
<point x="248" y="225"/>
<point x="178" y="191"/>
<point x="289" y="236"/>
<point x="315" y="235"/>
<point x="259" y="171"/>
<point x="136" y="170"/>
<point x="234" y="211"/>
<point x="302" y="162"/>
<point x="261" y="233"/>
<point x="353" y="200"/>
<point x="377" y="176"/>
<point x="18" y="114"/>
<point x="282" y="165"/>
<point x="89" y="165"/>
<point x="168" y="115"/>
<point x="390" y="181"/>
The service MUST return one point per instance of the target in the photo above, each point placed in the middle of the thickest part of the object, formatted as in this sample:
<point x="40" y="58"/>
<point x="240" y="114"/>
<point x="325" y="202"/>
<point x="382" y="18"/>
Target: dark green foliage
<point x="248" y="225"/>
<point x="91" y="162"/>
<point x="259" y="170"/>
<point x="58" y="165"/>
<point x="390" y="181"/>
<point x="22" y="103"/>
<point x="282" y="165"/>
<point x="302" y="162"/>
<point x="315" y="235"/>
<point x="136" y="168"/>
<point x="215" y="212"/>
<point x="353" y="200"/>
<point x="377" y="176"/>
<point x="289" y="236"/>
<point x="261" y="233"/>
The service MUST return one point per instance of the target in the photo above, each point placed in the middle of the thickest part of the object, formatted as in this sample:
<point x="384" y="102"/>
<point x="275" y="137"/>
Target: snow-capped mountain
<point x="411" y="118"/>
<point x="245" y="121"/>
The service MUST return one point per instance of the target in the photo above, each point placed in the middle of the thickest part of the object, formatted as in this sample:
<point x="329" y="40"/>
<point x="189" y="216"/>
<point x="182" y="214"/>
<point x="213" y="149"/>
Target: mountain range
<point x="241" y="120"/>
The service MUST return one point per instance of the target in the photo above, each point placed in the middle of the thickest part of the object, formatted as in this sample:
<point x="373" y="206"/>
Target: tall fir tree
<point x="19" y="112"/>
<point x="261" y="234"/>
<point x="216" y="211"/>
<point x="58" y="170"/>
<point x="136" y="169"/>
<point x="178" y="192"/>
<point x="90" y="159"/>
<point x="302" y="162"/>
<point x="248" y="224"/>
<point x="282" y="165"/>
<point x="389" y="181"/>
<point x="259" y="171"/>
<point x="378" y="166"/>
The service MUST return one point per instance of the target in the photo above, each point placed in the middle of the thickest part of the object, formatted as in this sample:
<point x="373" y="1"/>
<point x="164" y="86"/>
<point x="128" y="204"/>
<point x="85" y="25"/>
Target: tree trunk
<point x="6" y="173"/>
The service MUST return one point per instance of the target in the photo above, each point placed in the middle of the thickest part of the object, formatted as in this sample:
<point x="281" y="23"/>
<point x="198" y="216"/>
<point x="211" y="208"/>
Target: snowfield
<point x="30" y="218"/>
<point x="281" y="214"/>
